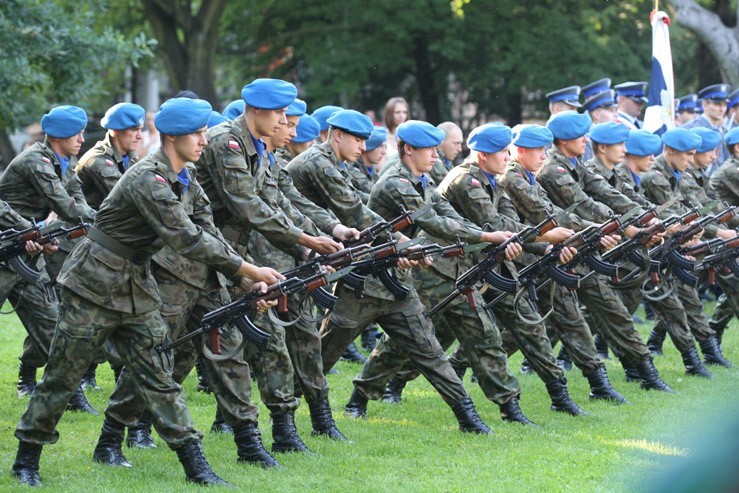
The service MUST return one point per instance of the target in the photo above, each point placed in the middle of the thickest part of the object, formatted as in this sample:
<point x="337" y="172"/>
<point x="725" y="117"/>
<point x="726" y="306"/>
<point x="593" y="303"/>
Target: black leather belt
<point x="115" y="246"/>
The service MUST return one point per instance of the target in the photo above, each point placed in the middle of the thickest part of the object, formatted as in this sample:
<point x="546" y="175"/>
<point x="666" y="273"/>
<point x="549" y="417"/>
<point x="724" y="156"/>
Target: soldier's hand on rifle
<point x="726" y="234"/>
<point x="567" y="254"/>
<point x="51" y="247"/>
<point x="512" y="251"/>
<point x="33" y="248"/>
<point x="556" y="235"/>
<point x="610" y="241"/>
<point x="259" y="274"/>
<point x="250" y="286"/>
<point x="343" y="233"/>
<point x="321" y="244"/>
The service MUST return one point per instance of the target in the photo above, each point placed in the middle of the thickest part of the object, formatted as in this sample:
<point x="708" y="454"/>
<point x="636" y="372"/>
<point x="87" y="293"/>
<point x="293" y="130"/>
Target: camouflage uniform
<point x="474" y="329"/>
<point x="320" y="176"/>
<point x="109" y="292"/>
<point x="362" y="178"/>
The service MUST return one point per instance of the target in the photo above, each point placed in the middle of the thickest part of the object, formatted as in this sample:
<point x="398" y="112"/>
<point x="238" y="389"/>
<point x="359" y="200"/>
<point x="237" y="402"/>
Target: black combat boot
<point x="655" y="342"/>
<point x="249" y="444"/>
<point x="693" y="365"/>
<point x="197" y="469"/>
<point x="139" y="436"/>
<point x="601" y="388"/>
<point x="563" y="359"/>
<point x="469" y="420"/>
<point x="26" y="380"/>
<point x="369" y="337"/>
<point x="203" y="384"/>
<point x="394" y="390"/>
<point x="108" y="450"/>
<point x="357" y="406"/>
<point x="25" y="467"/>
<point x="78" y="402"/>
<point x="511" y="411"/>
<point x="285" y="434"/>
<point x="323" y="421"/>
<point x="650" y="379"/>
<point x="561" y="401"/>
<point x="219" y="424"/>
<point x="632" y="375"/>
<point x="89" y="382"/>
<point x="601" y="346"/>
<point x="719" y="334"/>
<point x="353" y="355"/>
<point x="526" y="367"/>
<point x="712" y="354"/>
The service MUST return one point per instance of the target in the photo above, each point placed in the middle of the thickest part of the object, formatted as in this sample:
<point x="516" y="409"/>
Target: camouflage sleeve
<point x="626" y="187"/>
<point x="438" y="171"/>
<point x="42" y="178"/>
<point x="564" y="191"/>
<point x="74" y="189"/>
<point x="657" y="189"/>
<point x="601" y="191"/>
<point x="164" y="213"/>
<point x="104" y="175"/>
<point x="476" y="205"/>
<point x="320" y="216"/>
<point x="11" y="219"/>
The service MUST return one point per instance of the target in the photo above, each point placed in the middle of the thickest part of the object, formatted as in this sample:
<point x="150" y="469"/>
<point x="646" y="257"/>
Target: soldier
<point x="363" y="170"/>
<point x="473" y="191"/>
<point x="306" y="134"/>
<point x="321" y="115"/>
<point x="39" y="181"/>
<point x="601" y="108"/>
<point x="563" y="176"/>
<point x="705" y="155"/>
<point x="687" y="109"/>
<point x="564" y="99"/>
<point x="448" y="150"/>
<point x="714" y="101"/>
<point x="609" y="141"/>
<point x="732" y="116"/>
<point x="101" y="300"/>
<point x="234" y="109"/>
<point x="320" y="174"/>
<point x="632" y="96"/>
<point x="668" y="179"/>
<point x="532" y="204"/>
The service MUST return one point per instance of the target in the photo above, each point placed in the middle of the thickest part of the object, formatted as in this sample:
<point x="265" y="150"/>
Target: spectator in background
<point x="150" y="140"/>
<point x="397" y="111"/>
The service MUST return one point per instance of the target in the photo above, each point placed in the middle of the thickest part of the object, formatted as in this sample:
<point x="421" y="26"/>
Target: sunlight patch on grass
<point x="647" y="446"/>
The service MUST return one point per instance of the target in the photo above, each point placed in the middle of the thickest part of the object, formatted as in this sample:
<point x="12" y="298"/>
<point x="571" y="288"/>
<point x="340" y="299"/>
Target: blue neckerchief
<point x="677" y="174"/>
<point x="272" y="159"/>
<point x="63" y="163"/>
<point x="259" y="146"/>
<point x="343" y="165"/>
<point x="424" y="181"/>
<point x="184" y="178"/>
<point x="448" y="164"/>
<point x="491" y="178"/>
<point x="125" y="162"/>
<point x="370" y="170"/>
<point x="530" y="176"/>
<point x="573" y="160"/>
<point x="637" y="178"/>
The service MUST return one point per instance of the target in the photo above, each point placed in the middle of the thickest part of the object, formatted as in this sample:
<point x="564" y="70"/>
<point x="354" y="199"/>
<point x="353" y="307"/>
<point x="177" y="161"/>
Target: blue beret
<point x="308" y="129"/>
<point x="688" y="103"/>
<point x="733" y="99"/>
<point x="711" y="139"/>
<point x="490" y="137"/>
<point x="64" y="121"/>
<point x="419" y="134"/>
<point x="296" y="108"/>
<point x="569" y="95"/>
<point x="352" y="122"/>
<point x="732" y="136"/>
<point x="596" y="87"/>
<point x="182" y="116"/>
<point x="716" y="92"/>
<point x="634" y="90"/>
<point x="123" y="116"/>
<point x="234" y="109"/>
<point x="379" y="135"/>
<point x="681" y="139"/>
<point x="269" y="94"/>
<point x="609" y="133"/>
<point x="531" y="136"/>
<point x="605" y="99"/>
<point x="568" y="125"/>
<point x="643" y="143"/>
<point x="324" y="113"/>
<point x="215" y="119"/>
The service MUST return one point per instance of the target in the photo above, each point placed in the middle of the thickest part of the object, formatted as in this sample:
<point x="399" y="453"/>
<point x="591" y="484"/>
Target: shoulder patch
<point x="403" y="180"/>
<point x="598" y="176"/>
<point x="233" y="144"/>
<point x="46" y="159"/>
<point x="560" y="169"/>
<point x="474" y="182"/>
<point x="659" y="172"/>
<point x="159" y="179"/>
<point x="109" y="162"/>
<point x="517" y="173"/>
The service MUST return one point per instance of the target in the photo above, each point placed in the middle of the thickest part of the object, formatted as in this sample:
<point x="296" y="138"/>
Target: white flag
<point x="660" y="113"/>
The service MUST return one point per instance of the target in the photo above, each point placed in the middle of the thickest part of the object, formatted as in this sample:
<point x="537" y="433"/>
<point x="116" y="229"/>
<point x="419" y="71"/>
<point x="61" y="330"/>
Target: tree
<point x="721" y="38"/>
<point x="51" y="55"/>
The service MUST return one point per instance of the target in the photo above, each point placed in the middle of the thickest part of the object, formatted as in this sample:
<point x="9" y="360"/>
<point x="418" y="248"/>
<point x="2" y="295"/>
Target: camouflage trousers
<point x="410" y="330"/>
<point x="728" y="304"/>
<point x="183" y="306"/>
<point x="37" y="308"/>
<point x="81" y="331"/>
<point x="692" y="307"/>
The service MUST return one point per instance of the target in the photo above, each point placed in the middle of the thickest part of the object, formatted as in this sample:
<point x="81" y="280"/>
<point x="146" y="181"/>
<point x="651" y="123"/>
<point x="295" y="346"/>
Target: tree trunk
<point x="7" y="153"/>
<point x="722" y="40"/>
<point x="426" y="80"/>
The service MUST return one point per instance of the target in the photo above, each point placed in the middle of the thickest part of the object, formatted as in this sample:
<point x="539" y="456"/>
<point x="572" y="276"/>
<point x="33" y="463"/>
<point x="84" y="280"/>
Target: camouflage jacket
<point x="99" y="170"/>
<point x="626" y="184"/>
<point x="232" y="174"/>
<point x="724" y="184"/>
<point x="361" y="178"/>
<point x="660" y="185"/>
<point x="147" y="204"/>
<point x="607" y="189"/>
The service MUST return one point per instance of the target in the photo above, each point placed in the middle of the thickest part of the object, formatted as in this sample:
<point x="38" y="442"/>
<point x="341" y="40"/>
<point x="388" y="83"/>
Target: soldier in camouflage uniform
<point x="234" y="170"/>
<point x="609" y="146"/>
<point x="472" y="190"/>
<point x="448" y="150"/>
<point x="362" y="171"/>
<point x="109" y="292"/>
<point x="320" y="174"/>
<point x="564" y="177"/>
<point x="668" y="179"/>
<point x="39" y="181"/>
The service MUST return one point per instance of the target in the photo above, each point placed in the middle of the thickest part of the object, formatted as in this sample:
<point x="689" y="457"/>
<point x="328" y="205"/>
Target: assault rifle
<point x="401" y="222"/>
<point x="14" y="245"/>
<point x="723" y="258"/>
<point x="236" y="311"/>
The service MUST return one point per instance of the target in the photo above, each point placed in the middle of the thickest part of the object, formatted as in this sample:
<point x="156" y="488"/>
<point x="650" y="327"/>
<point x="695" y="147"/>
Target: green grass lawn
<point x="414" y="446"/>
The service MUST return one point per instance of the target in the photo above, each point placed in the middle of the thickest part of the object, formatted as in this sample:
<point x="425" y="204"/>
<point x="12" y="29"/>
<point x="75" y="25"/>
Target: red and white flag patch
<point x="45" y="159"/>
<point x="160" y="179"/>
<point x="109" y="162"/>
<point x="560" y="169"/>
<point x="233" y="144"/>
<point x="403" y="180"/>
<point x="474" y="182"/>
<point x="659" y="173"/>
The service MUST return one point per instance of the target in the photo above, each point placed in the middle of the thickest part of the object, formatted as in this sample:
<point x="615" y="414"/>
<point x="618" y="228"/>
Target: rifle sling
<point x="115" y="246"/>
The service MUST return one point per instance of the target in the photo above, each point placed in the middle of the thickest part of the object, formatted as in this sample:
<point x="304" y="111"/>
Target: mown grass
<point x="414" y="446"/>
